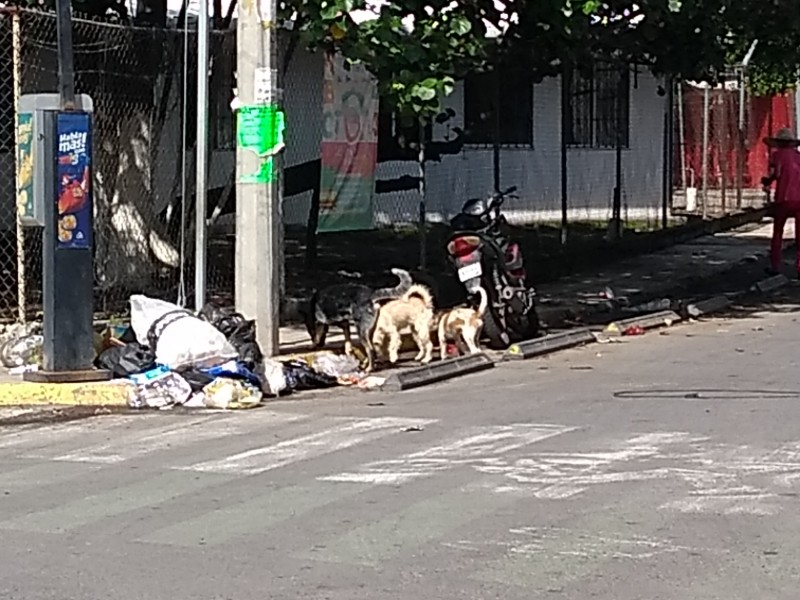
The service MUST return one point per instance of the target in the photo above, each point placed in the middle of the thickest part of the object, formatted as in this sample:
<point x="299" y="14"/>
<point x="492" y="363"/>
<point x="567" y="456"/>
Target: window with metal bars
<point x="598" y="107"/>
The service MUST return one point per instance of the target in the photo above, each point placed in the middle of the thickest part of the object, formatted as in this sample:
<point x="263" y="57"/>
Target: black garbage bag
<point x="299" y="376"/>
<point x="240" y="332"/>
<point x="126" y="360"/>
<point x="197" y="379"/>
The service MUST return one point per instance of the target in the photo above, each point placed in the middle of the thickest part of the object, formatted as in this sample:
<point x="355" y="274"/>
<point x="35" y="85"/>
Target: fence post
<point x="16" y="41"/>
<point x="666" y="199"/>
<point x="496" y="132"/>
<point x="706" y="115"/>
<point x="616" y="215"/>
<point x="565" y="83"/>
<point x="423" y="252"/>
<point x="740" y="145"/>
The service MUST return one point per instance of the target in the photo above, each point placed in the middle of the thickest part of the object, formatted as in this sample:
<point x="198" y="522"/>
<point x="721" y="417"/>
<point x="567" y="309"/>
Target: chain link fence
<point x="603" y="143"/>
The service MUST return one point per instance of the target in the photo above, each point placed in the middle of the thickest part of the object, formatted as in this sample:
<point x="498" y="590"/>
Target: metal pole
<point x="706" y="99"/>
<point x="496" y="133"/>
<point x="201" y="175"/>
<point x="16" y="41"/>
<point x="259" y="224"/>
<point x="617" y="207"/>
<point x="66" y="65"/>
<point x="682" y="134"/>
<point x="423" y="253"/>
<point x="740" y="142"/>
<point x="668" y="152"/>
<point x="564" y="158"/>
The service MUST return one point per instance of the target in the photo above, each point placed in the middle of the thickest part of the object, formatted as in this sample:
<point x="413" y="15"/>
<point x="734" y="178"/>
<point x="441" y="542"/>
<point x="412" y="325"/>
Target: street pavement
<point x="661" y="467"/>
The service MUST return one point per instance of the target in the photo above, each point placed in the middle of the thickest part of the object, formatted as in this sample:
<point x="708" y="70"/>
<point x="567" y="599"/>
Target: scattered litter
<point x="272" y="376"/>
<point x="21" y="351"/>
<point x="376" y="403"/>
<point x="413" y="428"/>
<point x="23" y="369"/>
<point x="603" y="339"/>
<point x="633" y="330"/>
<point x="336" y="365"/>
<point x="158" y="388"/>
<point x="581" y="368"/>
<point x="371" y="382"/>
<point x="300" y="376"/>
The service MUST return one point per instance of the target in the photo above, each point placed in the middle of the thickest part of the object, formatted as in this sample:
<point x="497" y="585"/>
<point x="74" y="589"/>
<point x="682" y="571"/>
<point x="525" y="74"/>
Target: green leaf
<point x="424" y="93"/>
<point x="590" y="7"/>
<point x="461" y="26"/>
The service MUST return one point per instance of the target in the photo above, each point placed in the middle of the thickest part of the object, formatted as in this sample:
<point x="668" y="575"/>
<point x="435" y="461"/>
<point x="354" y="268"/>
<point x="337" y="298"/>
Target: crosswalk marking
<point x="95" y="508"/>
<point x="29" y="437"/>
<point x="135" y="445"/>
<point x="410" y="528"/>
<point x="266" y="458"/>
<point x="472" y="447"/>
<point x="257" y="515"/>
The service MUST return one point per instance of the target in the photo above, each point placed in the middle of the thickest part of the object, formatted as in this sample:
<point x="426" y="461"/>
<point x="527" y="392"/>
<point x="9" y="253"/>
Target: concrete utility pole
<point x="259" y="222"/>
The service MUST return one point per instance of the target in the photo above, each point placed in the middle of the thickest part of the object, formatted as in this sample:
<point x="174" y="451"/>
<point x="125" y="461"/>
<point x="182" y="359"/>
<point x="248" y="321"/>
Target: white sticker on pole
<point x="264" y="80"/>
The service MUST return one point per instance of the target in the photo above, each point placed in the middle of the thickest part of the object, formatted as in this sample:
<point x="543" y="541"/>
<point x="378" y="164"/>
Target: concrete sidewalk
<point x="638" y="279"/>
<point x="672" y="273"/>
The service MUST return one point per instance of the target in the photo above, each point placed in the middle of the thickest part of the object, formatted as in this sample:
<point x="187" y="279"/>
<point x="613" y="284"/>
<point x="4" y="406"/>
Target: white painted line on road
<point x="98" y="507"/>
<point x="30" y="437"/>
<point x="350" y="433"/>
<point x="252" y="517"/>
<point x="136" y="444"/>
<point x="466" y="448"/>
<point x="403" y="533"/>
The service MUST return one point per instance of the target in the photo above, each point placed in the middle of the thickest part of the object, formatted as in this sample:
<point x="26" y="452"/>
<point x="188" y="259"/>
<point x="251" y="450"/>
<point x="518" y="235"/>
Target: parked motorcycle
<point x="482" y="254"/>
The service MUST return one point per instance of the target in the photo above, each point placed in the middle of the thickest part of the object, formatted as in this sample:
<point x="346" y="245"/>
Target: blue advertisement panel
<point x="74" y="179"/>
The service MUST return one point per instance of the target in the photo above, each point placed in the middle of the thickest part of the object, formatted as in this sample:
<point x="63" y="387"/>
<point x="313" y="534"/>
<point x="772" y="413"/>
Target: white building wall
<point x="535" y="171"/>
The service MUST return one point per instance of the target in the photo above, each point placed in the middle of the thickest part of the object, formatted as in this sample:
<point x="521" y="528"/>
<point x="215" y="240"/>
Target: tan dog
<point x="412" y="312"/>
<point x="463" y="323"/>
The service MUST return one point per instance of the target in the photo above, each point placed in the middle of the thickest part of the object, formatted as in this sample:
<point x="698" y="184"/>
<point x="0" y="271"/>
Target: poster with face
<point x="73" y="180"/>
<point x="349" y="147"/>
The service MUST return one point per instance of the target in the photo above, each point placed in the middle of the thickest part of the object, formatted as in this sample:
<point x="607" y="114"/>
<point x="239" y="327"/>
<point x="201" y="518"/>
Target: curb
<point x="549" y="344"/>
<point x="708" y="306"/>
<point x="64" y="394"/>
<point x="437" y="371"/>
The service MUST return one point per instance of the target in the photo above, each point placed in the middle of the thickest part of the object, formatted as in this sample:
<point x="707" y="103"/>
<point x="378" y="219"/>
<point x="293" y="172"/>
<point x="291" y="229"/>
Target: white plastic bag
<point x="178" y="338"/>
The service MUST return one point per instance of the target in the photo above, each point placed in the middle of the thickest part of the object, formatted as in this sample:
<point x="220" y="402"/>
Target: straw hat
<point x="784" y="137"/>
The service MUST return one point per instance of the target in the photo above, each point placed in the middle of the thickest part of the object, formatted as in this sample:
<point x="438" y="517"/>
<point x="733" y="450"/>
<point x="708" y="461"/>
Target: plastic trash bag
<point x="230" y="394"/>
<point x="299" y="376"/>
<point x="240" y="332"/>
<point x="126" y="360"/>
<point x="158" y="388"/>
<point x="178" y="338"/>
<point x="336" y="365"/>
<point x="272" y="376"/>
<point x="234" y="370"/>
<point x="22" y="351"/>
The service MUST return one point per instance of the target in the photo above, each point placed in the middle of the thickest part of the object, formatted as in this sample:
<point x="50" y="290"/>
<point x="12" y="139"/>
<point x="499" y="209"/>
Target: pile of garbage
<point x="211" y="359"/>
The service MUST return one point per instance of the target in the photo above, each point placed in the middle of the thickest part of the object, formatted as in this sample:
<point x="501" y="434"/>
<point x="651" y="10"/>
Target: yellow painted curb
<point x="69" y="394"/>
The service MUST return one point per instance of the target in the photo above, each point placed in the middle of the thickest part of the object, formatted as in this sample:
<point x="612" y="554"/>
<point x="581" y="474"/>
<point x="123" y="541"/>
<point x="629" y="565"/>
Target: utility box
<point x="38" y="160"/>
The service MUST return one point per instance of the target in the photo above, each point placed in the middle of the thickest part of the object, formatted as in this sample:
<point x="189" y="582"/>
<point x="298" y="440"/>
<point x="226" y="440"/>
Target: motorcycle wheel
<point x="524" y="327"/>
<point x="494" y="331"/>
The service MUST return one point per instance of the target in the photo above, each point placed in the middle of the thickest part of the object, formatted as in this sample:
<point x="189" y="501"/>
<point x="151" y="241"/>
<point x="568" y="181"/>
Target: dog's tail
<point x="484" y="303"/>
<point x="396" y="292"/>
<point x="421" y="292"/>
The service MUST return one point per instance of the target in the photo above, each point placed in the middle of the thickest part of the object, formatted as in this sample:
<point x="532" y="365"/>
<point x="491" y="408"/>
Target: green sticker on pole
<point x="259" y="128"/>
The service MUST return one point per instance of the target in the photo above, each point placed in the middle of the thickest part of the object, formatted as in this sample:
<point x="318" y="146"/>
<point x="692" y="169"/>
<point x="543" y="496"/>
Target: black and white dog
<point x="351" y="304"/>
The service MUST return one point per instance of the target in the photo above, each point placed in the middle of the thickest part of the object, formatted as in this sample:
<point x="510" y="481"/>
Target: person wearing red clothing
<point x="784" y="168"/>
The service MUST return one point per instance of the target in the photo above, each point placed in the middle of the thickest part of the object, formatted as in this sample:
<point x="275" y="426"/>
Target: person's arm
<point x="774" y="173"/>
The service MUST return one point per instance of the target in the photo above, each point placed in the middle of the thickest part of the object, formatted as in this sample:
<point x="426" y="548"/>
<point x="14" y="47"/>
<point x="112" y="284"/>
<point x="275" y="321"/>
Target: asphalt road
<point x="663" y="467"/>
